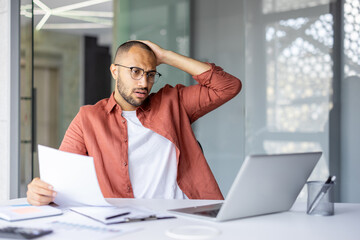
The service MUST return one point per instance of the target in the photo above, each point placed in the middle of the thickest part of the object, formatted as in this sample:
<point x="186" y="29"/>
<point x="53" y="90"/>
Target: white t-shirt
<point x="152" y="162"/>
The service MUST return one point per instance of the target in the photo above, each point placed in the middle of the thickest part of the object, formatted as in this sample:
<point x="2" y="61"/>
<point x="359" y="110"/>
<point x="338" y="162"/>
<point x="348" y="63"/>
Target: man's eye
<point x="151" y="74"/>
<point x="136" y="71"/>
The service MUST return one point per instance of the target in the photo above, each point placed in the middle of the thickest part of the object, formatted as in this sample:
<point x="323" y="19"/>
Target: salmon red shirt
<point x="100" y="131"/>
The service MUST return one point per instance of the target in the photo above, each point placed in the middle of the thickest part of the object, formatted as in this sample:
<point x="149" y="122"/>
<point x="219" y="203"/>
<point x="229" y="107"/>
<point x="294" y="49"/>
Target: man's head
<point x="131" y="60"/>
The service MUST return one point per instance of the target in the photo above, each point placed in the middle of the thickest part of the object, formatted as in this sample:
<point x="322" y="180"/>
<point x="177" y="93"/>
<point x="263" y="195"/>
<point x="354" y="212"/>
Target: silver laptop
<point x="265" y="184"/>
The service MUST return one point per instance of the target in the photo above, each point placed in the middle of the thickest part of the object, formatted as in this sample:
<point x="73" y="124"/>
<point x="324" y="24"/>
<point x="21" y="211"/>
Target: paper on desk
<point x="111" y="215"/>
<point x="72" y="225"/>
<point x="73" y="177"/>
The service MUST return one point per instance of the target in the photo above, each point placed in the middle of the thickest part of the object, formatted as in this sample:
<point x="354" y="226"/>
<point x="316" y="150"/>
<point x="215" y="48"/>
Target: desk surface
<point x="294" y="224"/>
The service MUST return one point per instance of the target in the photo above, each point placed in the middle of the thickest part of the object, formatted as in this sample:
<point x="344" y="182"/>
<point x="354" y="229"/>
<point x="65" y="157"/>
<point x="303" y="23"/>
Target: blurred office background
<point x="299" y="61"/>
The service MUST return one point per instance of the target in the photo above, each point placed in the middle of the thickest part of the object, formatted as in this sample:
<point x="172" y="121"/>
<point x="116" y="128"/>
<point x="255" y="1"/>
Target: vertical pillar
<point x="9" y="99"/>
<point x="336" y="8"/>
<point x="14" y="98"/>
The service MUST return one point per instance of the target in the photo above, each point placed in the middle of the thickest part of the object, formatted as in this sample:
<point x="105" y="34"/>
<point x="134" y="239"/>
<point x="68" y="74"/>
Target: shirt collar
<point x="111" y="103"/>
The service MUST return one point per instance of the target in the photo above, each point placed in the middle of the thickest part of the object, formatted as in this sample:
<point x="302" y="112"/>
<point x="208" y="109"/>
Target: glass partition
<point x="165" y="22"/>
<point x="289" y="92"/>
<point x="53" y="42"/>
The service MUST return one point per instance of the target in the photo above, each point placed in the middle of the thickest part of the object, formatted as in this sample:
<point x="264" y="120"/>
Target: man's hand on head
<point x="40" y="193"/>
<point x="186" y="64"/>
<point x="159" y="52"/>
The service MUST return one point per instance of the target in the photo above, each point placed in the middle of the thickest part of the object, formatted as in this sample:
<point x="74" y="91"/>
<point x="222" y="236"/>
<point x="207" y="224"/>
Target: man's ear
<point x="114" y="72"/>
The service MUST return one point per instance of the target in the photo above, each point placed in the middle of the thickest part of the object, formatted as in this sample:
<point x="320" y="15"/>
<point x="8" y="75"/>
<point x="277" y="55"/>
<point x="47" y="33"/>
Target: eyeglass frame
<point x="147" y="73"/>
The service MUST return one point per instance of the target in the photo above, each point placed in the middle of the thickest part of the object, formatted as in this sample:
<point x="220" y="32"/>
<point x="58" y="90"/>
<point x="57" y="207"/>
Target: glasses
<point x="137" y="73"/>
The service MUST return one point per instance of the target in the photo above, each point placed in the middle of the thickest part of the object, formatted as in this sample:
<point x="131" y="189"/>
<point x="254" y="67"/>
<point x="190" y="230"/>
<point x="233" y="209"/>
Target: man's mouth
<point x="141" y="93"/>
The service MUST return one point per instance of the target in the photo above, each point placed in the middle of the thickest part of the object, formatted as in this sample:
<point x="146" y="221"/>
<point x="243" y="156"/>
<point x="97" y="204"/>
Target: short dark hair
<point x="125" y="47"/>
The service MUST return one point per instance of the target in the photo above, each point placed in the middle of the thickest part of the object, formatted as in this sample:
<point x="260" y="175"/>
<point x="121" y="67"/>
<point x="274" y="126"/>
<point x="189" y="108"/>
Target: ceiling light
<point x="87" y="19"/>
<point x="86" y="13"/>
<point x="65" y="11"/>
<point x="43" y="21"/>
<point x="42" y="5"/>
<point x="25" y="10"/>
<point x="47" y="11"/>
<point x="79" y="5"/>
<point x="74" y="26"/>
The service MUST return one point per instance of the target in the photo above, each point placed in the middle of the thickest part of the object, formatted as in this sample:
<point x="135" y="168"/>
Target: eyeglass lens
<point x="137" y="74"/>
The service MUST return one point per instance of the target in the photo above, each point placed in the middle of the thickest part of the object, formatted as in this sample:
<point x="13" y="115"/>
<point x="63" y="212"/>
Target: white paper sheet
<point x="72" y="225"/>
<point x="73" y="177"/>
<point x="101" y="213"/>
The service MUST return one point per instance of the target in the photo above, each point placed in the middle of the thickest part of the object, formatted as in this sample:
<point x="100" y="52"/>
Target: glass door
<point x="26" y="95"/>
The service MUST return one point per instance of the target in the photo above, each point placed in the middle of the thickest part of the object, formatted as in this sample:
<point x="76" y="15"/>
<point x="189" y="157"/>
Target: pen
<point x="117" y="215"/>
<point x="136" y="219"/>
<point x="151" y="217"/>
<point x="328" y="184"/>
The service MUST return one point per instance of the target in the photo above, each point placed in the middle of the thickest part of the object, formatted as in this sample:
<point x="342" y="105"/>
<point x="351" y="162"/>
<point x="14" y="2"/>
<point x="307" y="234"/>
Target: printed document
<point x="73" y="177"/>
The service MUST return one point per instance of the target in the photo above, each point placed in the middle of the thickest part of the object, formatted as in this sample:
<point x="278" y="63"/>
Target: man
<point x="142" y="144"/>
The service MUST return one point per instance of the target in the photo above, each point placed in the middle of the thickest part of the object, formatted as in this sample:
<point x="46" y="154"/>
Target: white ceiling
<point x="84" y="17"/>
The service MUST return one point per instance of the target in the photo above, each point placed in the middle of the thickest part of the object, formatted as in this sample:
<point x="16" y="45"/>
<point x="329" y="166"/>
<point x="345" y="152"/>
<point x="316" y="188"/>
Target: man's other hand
<point x="40" y="193"/>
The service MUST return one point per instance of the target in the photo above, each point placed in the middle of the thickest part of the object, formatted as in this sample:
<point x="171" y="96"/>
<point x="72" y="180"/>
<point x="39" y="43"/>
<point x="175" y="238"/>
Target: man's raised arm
<point x="186" y="64"/>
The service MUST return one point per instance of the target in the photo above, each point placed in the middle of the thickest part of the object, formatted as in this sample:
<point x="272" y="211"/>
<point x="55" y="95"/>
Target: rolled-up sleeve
<point x="215" y="88"/>
<point x="74" y="138"/>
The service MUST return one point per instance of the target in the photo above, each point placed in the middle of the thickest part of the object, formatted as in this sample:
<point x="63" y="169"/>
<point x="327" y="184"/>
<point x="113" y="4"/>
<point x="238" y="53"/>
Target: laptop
<point x="265" y="184"/>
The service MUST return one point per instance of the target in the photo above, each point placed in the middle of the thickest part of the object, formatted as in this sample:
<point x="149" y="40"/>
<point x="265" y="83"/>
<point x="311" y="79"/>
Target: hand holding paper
<point x="73" y="177"/>
<point x="40" y="193"/>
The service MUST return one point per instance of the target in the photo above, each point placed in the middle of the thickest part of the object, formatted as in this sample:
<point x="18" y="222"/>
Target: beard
<point x="127" y="97"/>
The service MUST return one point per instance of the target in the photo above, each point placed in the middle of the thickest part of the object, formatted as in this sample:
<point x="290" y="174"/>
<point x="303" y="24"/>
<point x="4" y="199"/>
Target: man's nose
<point x="143" y="81"/>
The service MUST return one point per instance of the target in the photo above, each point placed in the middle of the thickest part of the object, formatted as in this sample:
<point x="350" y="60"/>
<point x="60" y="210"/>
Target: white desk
<point x="295" y="224"/>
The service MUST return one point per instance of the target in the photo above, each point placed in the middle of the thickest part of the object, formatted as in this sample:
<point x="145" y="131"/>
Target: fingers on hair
<point x="125" y="47"/>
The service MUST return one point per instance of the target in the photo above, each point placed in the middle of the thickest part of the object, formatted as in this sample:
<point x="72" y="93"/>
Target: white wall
<point x="9" y="98"/>
<point x="4" y="98"/>
<point x="350" y="140"/>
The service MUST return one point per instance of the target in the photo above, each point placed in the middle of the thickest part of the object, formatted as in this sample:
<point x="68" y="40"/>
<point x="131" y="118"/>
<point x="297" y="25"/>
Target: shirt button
<point x="125" y="163"/>
<point x="125" y="140"/>
<point x="128" y="188"/>
<point x="123" y="121"/>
